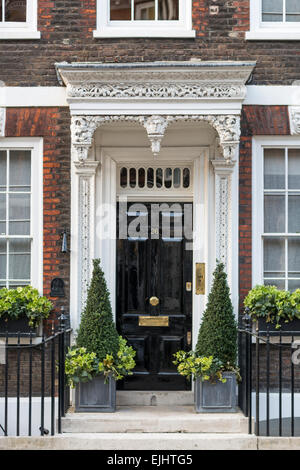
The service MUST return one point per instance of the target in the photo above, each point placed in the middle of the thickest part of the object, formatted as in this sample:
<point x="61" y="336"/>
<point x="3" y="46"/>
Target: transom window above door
<point x="144" y="18"/>
<point x="274" y="19"/>
<point x="155" y="180"/>
<point x="18" y="19"/>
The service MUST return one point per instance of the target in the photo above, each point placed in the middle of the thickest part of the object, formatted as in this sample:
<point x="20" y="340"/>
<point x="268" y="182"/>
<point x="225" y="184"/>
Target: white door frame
<point x="105" y="209"/>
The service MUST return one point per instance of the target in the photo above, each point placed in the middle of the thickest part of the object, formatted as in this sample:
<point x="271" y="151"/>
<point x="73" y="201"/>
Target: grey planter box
<point x="216" y="397"/>
<point x="96" y="396"/>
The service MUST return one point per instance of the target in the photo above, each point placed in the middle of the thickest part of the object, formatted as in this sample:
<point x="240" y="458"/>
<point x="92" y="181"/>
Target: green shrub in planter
<point x="205" y="368"/>
<point x="273" y="305"/>
<point x="218" y="331"/>
<point x="213" y="364"/>
<point x="82" y="366"/>
<point x="97" y="332"/>
<point x="24" y="302"/>
<point x="100" y="356"/>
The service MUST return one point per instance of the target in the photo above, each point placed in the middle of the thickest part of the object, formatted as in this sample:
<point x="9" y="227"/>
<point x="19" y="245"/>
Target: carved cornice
<point x="294" y="114"/>
<point x="227" y="126"/>
<point x="193" y="80"/>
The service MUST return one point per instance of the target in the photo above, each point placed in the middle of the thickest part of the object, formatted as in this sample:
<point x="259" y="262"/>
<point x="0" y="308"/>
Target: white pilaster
<point x="223" y="213"/>
<point x="83" y="218"/>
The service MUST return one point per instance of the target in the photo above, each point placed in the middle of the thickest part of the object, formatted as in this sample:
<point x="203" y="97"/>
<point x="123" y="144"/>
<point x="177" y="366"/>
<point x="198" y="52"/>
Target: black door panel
<point x="154" y="266"/>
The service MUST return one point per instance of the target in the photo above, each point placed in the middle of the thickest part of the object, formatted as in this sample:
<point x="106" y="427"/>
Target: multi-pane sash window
<point x="15" y="218"/>
<point x="144" y="18"/>
<point x="274" y="20"/>
<point x="13" y="11"/>
<point x="18" y="19"/>
<point x="281" y="10"/>
<point x="281" y="237"/>
<point x="140" y="10"/>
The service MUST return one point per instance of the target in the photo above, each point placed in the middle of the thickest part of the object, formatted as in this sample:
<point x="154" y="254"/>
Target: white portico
<point x="155" y="103"/>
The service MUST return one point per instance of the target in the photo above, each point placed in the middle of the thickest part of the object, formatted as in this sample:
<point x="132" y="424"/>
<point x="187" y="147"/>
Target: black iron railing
<point x="270" y="389"/>
<point x="34" y="369"/>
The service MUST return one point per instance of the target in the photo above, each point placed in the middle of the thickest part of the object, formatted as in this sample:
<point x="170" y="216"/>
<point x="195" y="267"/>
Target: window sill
<point x="144" y="33"/>
<point x="273" y="35"/>
<point x="19" y="34"/>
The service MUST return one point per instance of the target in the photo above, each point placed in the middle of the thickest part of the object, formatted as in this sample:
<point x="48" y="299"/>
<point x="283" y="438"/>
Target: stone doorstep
<point x="152" y="441"/>
<point x="157" y="419"/>
<point x="125" y="398"/>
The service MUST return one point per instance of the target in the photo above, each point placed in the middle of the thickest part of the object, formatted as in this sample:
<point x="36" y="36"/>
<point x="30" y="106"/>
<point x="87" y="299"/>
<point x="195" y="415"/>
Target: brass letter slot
<point x="153" y="321"/>
<point x="200" y="278"/>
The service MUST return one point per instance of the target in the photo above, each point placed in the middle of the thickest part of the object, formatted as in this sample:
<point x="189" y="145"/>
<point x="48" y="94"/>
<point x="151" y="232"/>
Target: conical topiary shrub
<point x="97" y="332"/>
<point x="218" y="332"/>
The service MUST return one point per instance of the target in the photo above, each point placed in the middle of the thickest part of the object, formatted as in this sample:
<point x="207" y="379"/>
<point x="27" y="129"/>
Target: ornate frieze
<point x="294" y="113"/>
<point x="158" y="91"/>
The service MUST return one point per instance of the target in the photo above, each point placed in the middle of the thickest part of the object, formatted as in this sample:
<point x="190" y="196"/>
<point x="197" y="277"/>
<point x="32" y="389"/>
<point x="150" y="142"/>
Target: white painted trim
<point x="234" y="254"/>
<point x="57" y="96"/>
<point x="154" y="107"/>
<point x="28" y="30"/>
<point x="203" y="224"/>
<point x="33" y="96"/>
<point x="275" y="35"/>
<point x="264" y="31"/>
<point x="258" y="144"/>
<point x="36" y="147"/>
<point x="125" y="32"/>
<point x="152" y="29"/>
<point x="265" y="95"/>
<point x="19" y="34"/>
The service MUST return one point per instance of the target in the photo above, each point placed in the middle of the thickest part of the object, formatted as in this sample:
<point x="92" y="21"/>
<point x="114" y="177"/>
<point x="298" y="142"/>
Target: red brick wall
<point x="53" y="124"/>
<point x="67" y="35"/>
<point x="256" y="120"/>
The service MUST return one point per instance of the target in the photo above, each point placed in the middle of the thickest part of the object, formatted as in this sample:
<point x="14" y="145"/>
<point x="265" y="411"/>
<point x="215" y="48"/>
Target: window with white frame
<point x="18" y="19"/>
<point x="20" y="218"/>
<point x="274" y="19"/>
<point x="144" y="18"/>
<point x="281" y="224"/>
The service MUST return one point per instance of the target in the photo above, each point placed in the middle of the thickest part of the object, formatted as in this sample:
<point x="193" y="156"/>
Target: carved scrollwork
<point x="294" y="112"/>
<point x="152" y="90"/>
<point x="227" y="126"/>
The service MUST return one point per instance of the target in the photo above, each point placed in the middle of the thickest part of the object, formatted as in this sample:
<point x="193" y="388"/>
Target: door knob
<point x="154" y="301"/>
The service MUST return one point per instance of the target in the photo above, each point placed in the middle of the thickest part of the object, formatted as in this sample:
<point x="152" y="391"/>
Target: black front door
<point x="154" y="293"/>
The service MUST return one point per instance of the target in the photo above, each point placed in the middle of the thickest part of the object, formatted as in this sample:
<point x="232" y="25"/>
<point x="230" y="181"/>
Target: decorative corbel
<point x="82" y="131"/>
<point x="294" y="114"/>
<point x="156" y="127"/>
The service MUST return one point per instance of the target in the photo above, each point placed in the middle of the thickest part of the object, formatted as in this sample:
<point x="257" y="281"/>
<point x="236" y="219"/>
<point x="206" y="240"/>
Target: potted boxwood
<point x="100" y="356"/>
<point x="22" y="309"/>
<point x="213" y="364"/>
<point x="271" y="308"/>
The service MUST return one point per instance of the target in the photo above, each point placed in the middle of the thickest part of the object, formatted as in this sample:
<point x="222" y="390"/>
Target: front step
<point x="126" y="398"/>
<point x="157" y="419"/>
<point x="132" y="442"/>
